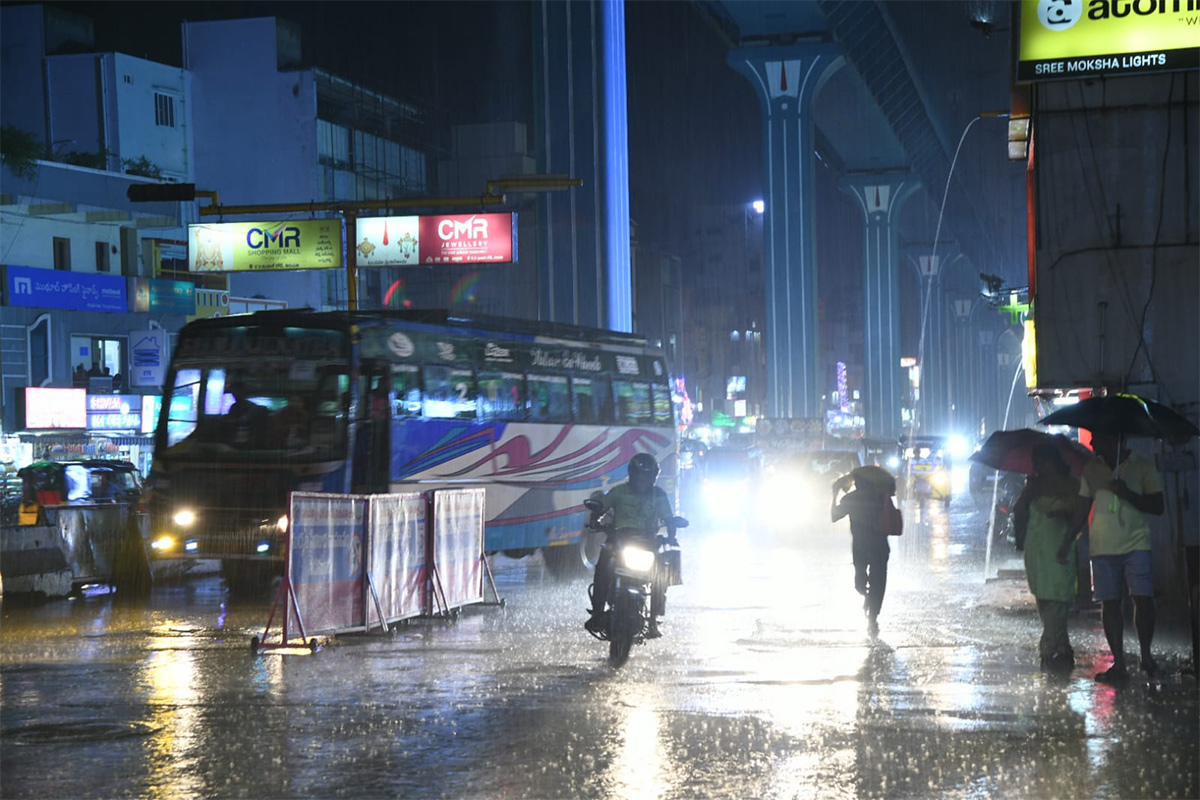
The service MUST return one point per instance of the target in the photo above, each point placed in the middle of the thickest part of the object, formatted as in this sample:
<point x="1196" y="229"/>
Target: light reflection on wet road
<point x="765" y="685"/>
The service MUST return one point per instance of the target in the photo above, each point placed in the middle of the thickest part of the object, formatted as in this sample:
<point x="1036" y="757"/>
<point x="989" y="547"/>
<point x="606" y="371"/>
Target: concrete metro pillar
<point x="933" y="408"/>
<point x="879" y="197"/>
<point x="786" y="79"/>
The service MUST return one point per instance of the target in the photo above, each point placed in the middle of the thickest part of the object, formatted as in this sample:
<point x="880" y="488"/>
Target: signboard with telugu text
<point x="68" y="291"/>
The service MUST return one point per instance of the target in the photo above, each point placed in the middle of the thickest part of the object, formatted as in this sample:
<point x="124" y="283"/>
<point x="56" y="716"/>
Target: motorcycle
<point x="635" y="566"/>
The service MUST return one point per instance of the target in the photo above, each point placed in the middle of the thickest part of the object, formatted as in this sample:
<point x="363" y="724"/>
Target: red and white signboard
<point x="436" y="239"/>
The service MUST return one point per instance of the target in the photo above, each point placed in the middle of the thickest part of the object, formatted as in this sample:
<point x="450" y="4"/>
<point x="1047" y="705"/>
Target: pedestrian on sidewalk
<point x="869" y="506"/>
<point x="1041" y="522"/>
<point x="1118" y="489"/>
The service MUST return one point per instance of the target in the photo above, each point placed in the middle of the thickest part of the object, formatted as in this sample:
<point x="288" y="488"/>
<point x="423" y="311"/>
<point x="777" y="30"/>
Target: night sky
<point x="694" y="130"/>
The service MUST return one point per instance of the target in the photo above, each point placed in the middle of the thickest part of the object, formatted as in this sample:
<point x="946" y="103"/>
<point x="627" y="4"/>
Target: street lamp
<point x="933" y="253"/>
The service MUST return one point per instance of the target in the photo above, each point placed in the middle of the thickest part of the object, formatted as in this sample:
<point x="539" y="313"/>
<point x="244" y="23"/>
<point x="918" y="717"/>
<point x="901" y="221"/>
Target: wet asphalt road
<point x="765" y="685"/>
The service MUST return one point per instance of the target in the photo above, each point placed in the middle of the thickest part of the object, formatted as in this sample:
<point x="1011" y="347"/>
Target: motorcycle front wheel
<point x="620" y="636"/>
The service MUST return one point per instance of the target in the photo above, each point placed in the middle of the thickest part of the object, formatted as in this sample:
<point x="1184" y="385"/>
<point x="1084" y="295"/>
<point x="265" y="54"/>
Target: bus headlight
<point x="184" y="518"/>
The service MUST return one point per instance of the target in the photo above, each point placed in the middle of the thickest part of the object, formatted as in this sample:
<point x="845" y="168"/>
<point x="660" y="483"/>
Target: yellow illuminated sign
<point x="1081" y="38"/>
<point x="1029" y="354"/>
<point x="253" y="246"/>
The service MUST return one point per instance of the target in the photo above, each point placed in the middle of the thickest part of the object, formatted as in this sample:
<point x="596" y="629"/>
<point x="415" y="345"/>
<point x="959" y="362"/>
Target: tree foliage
<point x="20" y="151"/>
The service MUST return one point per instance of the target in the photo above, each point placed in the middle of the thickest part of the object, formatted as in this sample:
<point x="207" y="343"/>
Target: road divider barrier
<point x="355" y="562"/>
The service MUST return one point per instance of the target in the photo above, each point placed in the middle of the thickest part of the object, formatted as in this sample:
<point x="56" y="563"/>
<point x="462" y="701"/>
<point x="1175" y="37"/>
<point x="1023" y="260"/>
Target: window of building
<point x="100" y="360"/>
<point x="164" y="110"/>
<point x="102" y="261"/>
<point x="62" y="253"/>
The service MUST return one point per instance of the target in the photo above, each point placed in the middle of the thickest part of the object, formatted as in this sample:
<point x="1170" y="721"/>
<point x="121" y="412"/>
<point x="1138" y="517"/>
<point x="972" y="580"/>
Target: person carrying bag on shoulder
<point x="873" y="518"/>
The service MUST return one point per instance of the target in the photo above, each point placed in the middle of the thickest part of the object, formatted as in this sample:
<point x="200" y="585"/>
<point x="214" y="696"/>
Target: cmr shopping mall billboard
<point x="431" y="240"/>
<point x="1063" y="39"/>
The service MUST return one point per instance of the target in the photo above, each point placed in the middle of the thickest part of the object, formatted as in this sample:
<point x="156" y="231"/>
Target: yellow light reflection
<point x="174" y="748"/>
<point x="637" y="772"/>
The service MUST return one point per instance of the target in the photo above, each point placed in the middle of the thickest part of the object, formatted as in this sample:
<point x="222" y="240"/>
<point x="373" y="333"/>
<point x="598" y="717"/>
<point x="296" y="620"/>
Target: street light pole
<point x="933" y="253"/>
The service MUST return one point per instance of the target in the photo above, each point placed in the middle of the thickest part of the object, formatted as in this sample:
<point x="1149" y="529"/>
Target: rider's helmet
<point x="643" y="466"/>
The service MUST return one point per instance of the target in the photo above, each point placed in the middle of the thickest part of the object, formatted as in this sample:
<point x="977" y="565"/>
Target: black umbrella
<point x="1012" y="451"/>
<point x="1124" y="414"/>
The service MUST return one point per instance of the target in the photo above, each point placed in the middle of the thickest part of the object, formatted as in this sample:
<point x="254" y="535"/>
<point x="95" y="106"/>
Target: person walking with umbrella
<point x="1041" y="520"/>
<point x="1116" y="491"/>
<point x="869" y="506"/>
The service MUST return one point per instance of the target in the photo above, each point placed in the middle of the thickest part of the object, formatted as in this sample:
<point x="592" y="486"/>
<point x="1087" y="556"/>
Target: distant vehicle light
<point x="162" y="543"/>
<point x="894" y="462"/>
<point x="263" y="547"/>
<point x="959" y="447"/>
<point x="191" y="545"/>
<point x="281" y="524"/>
<point x="184" y="518"/>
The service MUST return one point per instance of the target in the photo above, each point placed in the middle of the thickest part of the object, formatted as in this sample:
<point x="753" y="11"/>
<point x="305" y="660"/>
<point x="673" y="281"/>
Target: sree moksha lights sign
<point x="435" y="239"/>
<point x="253" y="246"/>
<point x="1062" y="39"/>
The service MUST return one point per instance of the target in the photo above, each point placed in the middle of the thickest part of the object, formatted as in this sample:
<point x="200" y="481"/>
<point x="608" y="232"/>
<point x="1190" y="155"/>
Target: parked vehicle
<point x="631" y="596"/>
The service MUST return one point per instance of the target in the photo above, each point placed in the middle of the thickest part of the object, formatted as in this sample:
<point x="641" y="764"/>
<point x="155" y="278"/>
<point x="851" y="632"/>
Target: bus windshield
<point x="257" y="411"/>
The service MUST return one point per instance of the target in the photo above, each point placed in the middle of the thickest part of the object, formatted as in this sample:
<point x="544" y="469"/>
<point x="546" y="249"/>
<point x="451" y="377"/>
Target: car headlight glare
<point x="162" y="543"/>
<point x="184" y="518"/>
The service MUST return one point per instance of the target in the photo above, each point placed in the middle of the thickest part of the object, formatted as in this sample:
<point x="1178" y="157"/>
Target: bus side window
<point x="502" y="396"/>
<point x="663" y="414"/>
<point x="449" y="393"/>
<point x="633" y="402"/>
<point x="549" y="399"/>
<point x="406" y="391"/>
<point x="584" y="402"/>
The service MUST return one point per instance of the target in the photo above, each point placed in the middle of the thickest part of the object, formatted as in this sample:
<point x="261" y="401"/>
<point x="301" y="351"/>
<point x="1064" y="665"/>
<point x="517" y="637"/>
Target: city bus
<point x="258" y="405"/>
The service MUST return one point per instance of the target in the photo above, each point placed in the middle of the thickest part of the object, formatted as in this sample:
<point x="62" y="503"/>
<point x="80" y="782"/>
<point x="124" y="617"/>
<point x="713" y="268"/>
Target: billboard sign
<point x="436" y="239"/>
<point x="114" y="412"/>
<point x="164" y="296"/>
<point x="148" y="365"/>
<point x="69" y="291"/>
<point x="261" y="246"/>
<point x="1062" y="39"/>
<point x="47" y="408"/>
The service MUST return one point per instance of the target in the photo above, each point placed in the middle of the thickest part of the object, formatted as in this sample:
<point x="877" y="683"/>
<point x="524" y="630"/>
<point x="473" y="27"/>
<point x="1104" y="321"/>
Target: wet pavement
<point x="765" y="685"/>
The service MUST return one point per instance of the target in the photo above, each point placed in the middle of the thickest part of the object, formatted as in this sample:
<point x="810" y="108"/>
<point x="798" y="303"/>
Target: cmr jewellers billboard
<point x="1062" y="39"/>
<point x="255" y="246"/>
<point x="436" y="239"/>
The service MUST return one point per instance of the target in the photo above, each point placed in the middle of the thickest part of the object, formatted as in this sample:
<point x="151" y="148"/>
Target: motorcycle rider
<point x="638" y="506"/>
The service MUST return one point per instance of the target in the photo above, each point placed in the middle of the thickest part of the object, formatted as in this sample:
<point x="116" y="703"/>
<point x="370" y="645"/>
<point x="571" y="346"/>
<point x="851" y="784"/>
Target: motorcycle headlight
<point x="636" y="558"/>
